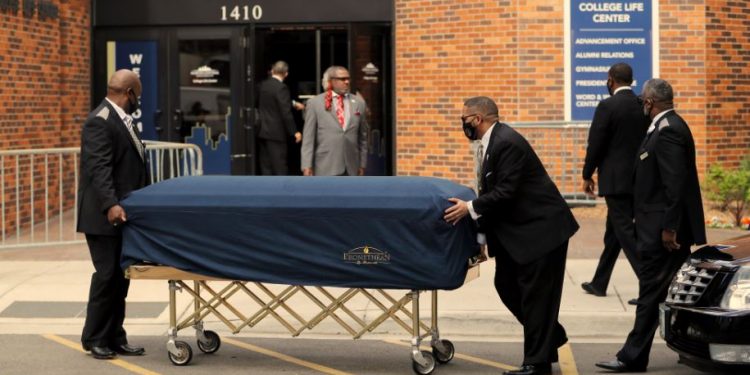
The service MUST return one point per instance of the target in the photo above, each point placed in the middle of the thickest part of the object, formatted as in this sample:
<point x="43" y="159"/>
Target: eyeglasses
<point x="464" y="118"/>
<point x="341" y="78"/>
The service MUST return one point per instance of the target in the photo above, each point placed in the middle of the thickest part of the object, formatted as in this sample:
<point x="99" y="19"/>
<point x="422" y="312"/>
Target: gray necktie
<point x="133" y="136"/>
<point x="479" y="162"/>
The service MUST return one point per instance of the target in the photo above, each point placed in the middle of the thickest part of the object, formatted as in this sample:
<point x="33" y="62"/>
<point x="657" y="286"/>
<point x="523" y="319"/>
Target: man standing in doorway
<point x="668" y="217"/>
<point x="276" y="121"/>
<point x="527" y="224"/>
<point x="334" y="140"/>
<point x="113" y="164"/>
<point x="616" y="131"/>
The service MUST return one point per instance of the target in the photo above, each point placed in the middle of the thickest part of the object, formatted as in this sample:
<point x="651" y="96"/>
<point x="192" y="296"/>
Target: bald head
<point x="124" y="89"/>
<point x="123" y="80"/>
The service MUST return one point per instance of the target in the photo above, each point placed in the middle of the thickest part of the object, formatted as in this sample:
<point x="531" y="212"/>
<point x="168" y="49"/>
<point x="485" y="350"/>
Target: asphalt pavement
<point x="42" y="308"/>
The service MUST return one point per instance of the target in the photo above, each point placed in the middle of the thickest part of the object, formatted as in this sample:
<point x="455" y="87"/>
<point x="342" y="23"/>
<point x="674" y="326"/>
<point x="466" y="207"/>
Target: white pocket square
<point x="488" y="174"/>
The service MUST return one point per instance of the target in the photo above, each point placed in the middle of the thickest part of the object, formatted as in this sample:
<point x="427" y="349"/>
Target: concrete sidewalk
<point x="29" y="288"/>
<point x="48" y="296"/>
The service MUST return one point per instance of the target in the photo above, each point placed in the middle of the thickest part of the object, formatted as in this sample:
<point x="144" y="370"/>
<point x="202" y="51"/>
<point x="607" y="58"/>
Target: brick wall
<point x="513" y="51"/>
<point x="728" y="81"/>
<point x="445" y="53"/>
<point x="44" y="97"/>
<point x="683" y="64"/>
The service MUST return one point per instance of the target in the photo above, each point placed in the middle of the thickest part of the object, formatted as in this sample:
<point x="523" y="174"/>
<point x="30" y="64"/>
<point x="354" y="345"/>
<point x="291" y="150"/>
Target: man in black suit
<point x="668" y="217"/>
<point x="276" y="121"/>
<point x="113" y="164"/>
<point x="527" y="226"/>
<point x="618" y="128"/>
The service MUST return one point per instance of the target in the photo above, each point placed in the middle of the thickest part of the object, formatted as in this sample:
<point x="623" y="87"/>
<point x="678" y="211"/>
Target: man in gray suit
<point x="334" y="140"/>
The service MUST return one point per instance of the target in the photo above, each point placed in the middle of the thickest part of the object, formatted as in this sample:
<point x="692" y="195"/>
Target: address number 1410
<point x="241" y="13"/>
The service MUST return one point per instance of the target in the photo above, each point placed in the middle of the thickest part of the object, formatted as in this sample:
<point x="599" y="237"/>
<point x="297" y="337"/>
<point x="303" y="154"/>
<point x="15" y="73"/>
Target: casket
<point x="360" y="232"/>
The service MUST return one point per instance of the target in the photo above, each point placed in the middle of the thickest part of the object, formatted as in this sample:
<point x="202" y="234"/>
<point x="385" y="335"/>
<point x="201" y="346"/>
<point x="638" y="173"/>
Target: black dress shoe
<point x="543" y="369"/>
<point x="633" y="301"/>
<point x="617" y="366"/>
<point x="102" y="352"/>
<point x="126" y="349"/>
<point x="589" y="288"/>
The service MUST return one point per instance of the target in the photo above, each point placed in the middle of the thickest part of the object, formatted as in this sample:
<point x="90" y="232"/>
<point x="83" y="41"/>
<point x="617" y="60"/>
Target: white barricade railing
<point x="39" y="190"/>
<point x="561" y="146"/>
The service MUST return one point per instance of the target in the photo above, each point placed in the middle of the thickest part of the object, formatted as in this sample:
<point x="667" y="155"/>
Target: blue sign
<point x="140" y="57"/>
<point x="603" y="33"/>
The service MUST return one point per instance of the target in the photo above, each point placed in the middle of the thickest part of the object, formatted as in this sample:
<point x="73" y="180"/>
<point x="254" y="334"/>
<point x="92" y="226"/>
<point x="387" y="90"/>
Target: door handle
<point x="157" y="115"/>
<point x="251" y="118"/>
<point x="177" y="117"/>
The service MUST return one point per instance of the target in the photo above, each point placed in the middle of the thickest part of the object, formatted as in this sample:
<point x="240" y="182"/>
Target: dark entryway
<point x="200" y="79"/>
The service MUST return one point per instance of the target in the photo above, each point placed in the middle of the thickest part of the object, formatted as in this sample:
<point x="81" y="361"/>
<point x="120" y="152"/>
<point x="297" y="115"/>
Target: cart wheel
<point x="427" y="369"/>
<point x="446" y="355"/>
<point x="183" y="356"/>
<point x="212" y="343"/>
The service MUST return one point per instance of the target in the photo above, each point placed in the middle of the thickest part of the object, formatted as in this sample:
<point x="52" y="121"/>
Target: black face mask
<point x="133" y="106"/>
<point x="470" y="131"/>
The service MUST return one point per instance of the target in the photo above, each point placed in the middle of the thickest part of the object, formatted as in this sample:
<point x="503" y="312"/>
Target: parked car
<point x="706" y="316"/>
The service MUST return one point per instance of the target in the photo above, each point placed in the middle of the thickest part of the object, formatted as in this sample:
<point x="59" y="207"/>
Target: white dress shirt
<point x="485" y="141"/>
<point x="126" y="118"/>
<point x="656" y="120"/>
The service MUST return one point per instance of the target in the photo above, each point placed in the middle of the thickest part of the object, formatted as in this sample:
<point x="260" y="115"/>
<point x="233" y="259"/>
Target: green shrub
<point x="730" y="188"/>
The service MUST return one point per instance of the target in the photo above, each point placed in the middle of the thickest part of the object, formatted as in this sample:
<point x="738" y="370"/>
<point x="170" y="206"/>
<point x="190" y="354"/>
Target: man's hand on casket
<point x="307" y="172"/>
<point x="116" y="215"/>
<point x="456" y="212"/>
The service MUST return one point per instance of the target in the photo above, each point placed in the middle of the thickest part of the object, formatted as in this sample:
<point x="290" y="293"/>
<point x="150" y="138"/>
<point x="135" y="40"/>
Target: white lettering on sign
<point x="611" y="18"/>
<point x="241" y="13"/>
<point x="611" y="12"/>
<point x="136" y="59"/>
<point x="600" y="7"/>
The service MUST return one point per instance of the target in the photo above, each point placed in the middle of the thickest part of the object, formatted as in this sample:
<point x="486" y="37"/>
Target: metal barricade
<point x="561" y="146"/>
<point x="39" y="190"/>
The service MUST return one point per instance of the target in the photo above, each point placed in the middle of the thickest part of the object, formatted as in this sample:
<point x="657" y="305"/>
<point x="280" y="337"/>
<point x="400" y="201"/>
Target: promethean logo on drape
<point x="367" y="255"/>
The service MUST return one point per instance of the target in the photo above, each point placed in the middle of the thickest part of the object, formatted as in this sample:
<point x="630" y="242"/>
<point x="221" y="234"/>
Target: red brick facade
<point x="728" y="81"/>
<point x="513" y="51"/>
<point x="44" y="97"/>
<point x="44" y="73"/>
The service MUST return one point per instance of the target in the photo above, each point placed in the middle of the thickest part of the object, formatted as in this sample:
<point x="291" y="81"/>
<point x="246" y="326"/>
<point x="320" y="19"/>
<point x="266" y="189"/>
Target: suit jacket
<point x="110" y="169"/>
<point x="667" y="194"/>
<point x="617" y="130"/>
<point x="327" y="148"/>
<point x="522" y="210"/>
<point x="275" y="111"/>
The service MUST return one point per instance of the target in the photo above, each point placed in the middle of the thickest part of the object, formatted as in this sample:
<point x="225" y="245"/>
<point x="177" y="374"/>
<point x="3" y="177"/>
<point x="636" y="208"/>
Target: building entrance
<point x="200" y="83"/>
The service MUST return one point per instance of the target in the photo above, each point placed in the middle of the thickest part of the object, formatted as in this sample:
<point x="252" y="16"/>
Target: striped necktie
<point x="479" y="163"/>
<point x="134" y="136"/>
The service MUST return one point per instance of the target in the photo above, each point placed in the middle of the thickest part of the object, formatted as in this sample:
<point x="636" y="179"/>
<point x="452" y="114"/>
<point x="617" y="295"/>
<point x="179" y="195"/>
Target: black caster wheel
<point x="212" y="344"/>
<point x="446" y="354"/>
<point x="183" y="356"/>
<point x="426" y="369"/>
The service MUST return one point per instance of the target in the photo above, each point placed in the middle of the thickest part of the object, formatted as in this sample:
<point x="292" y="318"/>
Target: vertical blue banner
<point x="603" y="33"/>
<point x="140" y="57"/>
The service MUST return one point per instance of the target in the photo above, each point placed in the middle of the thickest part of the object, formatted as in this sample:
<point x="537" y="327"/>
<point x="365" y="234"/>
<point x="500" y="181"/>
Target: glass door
<point x="206" y="90"/>
<point x="371" y="72"/>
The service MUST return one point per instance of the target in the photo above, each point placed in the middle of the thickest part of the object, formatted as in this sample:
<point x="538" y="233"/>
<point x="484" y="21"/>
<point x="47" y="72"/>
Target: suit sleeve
<point x="599" y="134"/>
<point x="97" y="161"/>
<point x="309" y="131"/>
<point x="364" y="131"/>
<point x="509" y="169"/>
<point x="284" y="101"/>
<point x="672" y="160"/>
